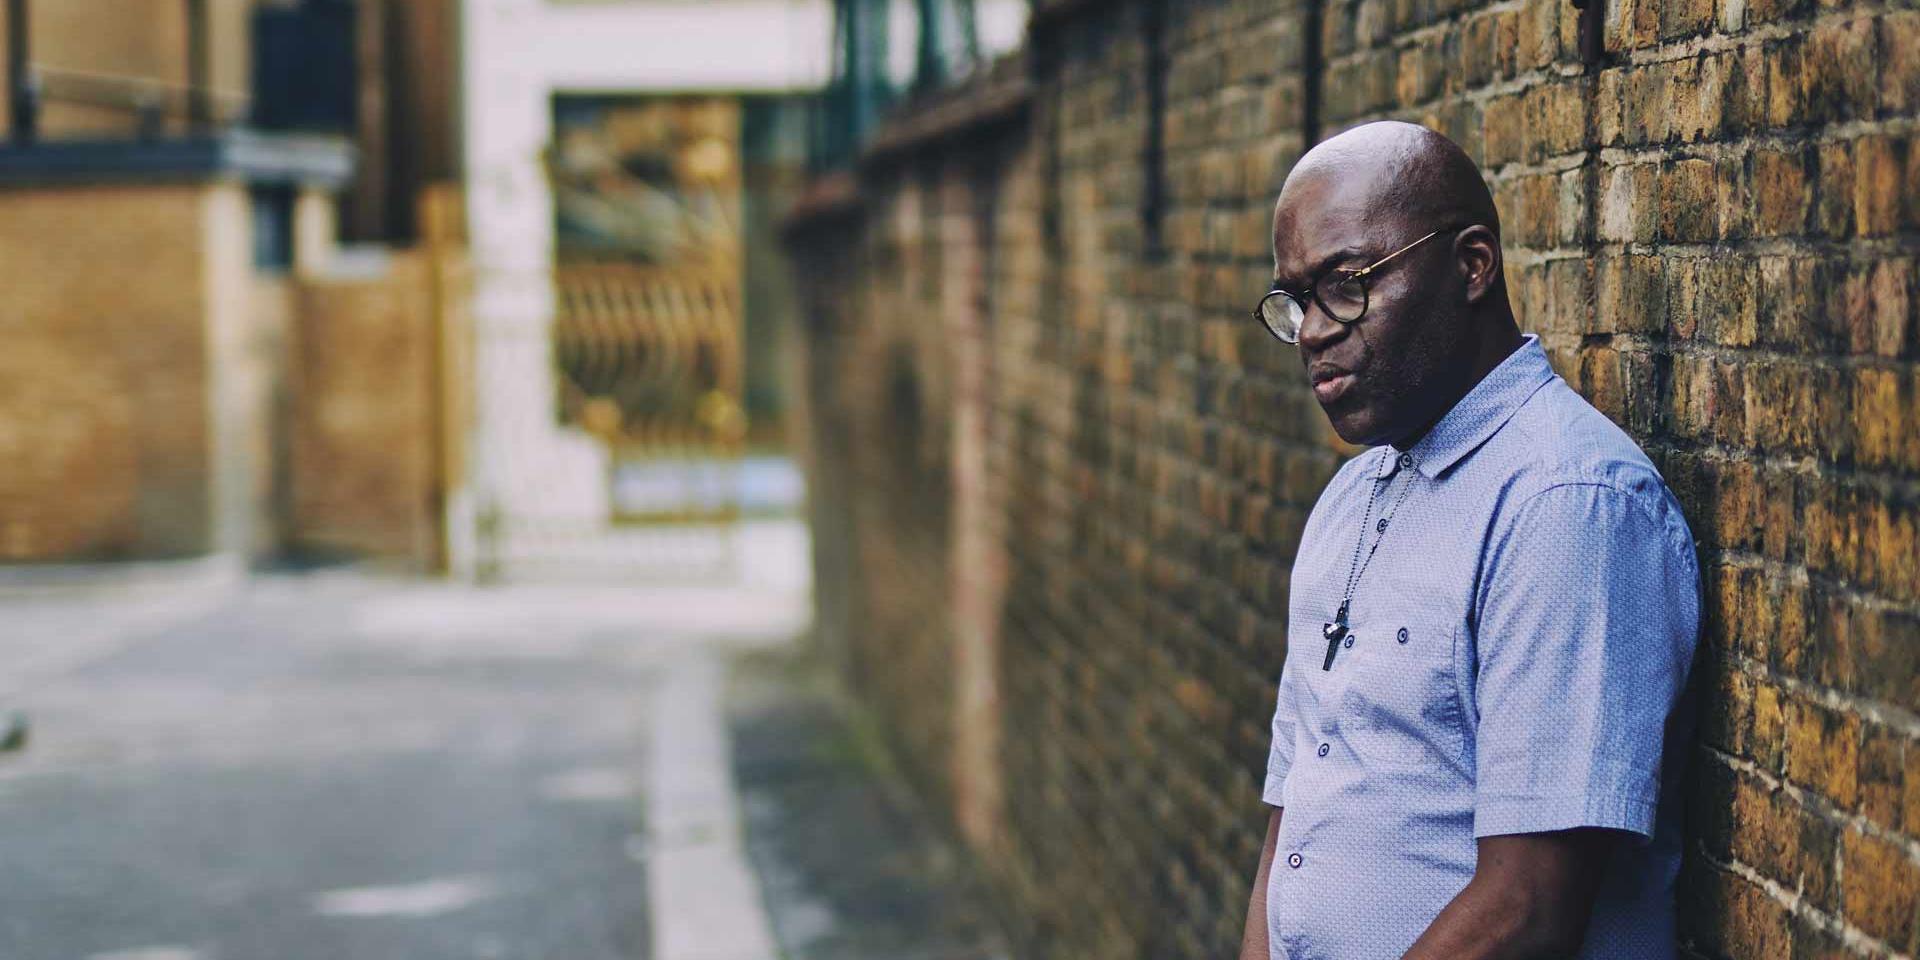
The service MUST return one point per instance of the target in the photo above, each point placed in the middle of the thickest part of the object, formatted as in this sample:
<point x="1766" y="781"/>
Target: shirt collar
<point x="1478" y="415"/>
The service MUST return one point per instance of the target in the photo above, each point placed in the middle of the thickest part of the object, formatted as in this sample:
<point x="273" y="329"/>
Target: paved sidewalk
<point x="850" y="864"/>
<point x="341" y="765"/>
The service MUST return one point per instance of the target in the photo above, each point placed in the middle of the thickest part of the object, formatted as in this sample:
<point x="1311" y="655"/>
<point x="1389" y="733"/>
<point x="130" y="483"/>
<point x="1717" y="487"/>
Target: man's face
<point x="1378" y="378"/>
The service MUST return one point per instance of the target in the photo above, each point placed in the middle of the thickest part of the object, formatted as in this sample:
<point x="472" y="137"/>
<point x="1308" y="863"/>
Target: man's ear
<point x="1477" y="252"/>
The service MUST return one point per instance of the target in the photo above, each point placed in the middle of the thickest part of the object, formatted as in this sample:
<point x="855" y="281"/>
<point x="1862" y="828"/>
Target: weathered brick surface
<point x="362" y="474"/>
<point x="1714" y="230"/>
<point x="122" y="415"/>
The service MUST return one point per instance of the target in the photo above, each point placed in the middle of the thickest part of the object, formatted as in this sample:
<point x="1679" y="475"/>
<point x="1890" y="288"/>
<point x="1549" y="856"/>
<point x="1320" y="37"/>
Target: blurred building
<point x="197" y="369"/>
<point x="626" y="163"/>
<point x="246" y="318"/>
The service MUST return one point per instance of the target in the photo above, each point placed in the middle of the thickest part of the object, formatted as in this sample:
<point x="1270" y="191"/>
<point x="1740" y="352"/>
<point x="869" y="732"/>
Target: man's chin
<point x="1354" y="426"/>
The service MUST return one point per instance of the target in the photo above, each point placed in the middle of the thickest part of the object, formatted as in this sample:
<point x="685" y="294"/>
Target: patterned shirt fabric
<point x="1516" y="662"/>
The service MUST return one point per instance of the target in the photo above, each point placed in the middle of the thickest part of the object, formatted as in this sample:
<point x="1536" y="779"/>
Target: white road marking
<point x="151" y="953"/>
<point x="592" y="783"/>
<point x="705" y="902"/>
<point x="410" y="900"/>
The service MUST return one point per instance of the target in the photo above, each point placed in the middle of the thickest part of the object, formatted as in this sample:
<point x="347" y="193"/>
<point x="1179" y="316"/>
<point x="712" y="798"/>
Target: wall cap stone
<point x="252" y="156"/>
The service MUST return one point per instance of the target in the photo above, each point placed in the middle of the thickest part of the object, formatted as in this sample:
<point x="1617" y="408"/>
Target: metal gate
<point x="646" y="372"/>
<point x="611" y="373"/>
<point x="649" y="361"/>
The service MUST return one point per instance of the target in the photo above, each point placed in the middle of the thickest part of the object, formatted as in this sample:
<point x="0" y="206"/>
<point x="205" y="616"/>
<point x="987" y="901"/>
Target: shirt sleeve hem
<point x="1275" y="788"/>
<point x="1509" y="815"/>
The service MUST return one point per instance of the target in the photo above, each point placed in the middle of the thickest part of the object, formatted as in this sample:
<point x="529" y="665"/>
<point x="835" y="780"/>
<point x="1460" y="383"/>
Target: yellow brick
<point x="1882" y="775"/>
<point x="1823" y="751"/>
<point x="1878" y="885"/>
<point x="1882" y="417"/>
<point x="1765" y="740"/>
<point x="1877" y="187"/>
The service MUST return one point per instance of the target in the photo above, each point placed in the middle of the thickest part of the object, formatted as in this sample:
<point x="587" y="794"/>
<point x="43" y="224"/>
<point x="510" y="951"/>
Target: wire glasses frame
<point x="1344" y="299"/>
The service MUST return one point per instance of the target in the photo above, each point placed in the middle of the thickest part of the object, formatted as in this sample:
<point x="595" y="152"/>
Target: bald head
<point x="1403" y="171"/>
<point x="1402" y="213"/>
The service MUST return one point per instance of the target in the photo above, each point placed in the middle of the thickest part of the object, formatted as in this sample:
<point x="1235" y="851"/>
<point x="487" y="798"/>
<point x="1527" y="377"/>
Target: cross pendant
<point x="1334" y="632"/>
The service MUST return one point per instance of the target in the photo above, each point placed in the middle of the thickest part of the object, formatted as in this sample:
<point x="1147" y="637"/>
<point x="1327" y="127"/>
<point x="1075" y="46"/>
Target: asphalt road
<point x="337" y="766"/>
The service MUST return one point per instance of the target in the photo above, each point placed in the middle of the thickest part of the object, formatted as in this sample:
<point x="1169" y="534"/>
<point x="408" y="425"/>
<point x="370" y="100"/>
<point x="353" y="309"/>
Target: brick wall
<point x="1059" y="476"/>
<point x="122" y="419"/>
<point x="362" y="465"/>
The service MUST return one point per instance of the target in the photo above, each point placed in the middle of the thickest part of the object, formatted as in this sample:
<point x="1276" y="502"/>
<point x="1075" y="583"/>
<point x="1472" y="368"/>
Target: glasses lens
<point x="1282" y="316"/>
<point x="1345" y="297"/>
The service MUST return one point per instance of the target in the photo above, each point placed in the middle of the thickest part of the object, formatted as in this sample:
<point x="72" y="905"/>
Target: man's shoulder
<point x="1558" y="439"/>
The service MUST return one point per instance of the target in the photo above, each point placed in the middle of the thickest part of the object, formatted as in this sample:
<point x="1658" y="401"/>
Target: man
<point x="1481" y="719"/>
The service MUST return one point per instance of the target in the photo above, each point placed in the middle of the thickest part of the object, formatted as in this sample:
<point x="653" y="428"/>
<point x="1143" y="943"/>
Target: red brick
<point x="1876" y="306"/>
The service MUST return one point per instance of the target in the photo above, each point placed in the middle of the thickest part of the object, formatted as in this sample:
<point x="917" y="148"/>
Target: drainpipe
<point x="24" y="91"/>
<point x="199" y="81"/>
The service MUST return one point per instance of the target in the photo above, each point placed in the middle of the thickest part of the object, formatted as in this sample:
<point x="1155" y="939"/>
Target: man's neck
<point x="1493" y="351"/>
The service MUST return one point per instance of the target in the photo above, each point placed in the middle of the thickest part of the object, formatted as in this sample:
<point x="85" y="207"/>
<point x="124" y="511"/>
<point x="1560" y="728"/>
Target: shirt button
<point x="1293" y="860"/>
<point x="1349" y="641"/>
<point x="1381" y="527"/>
<point x="1406" y="459"/>
<point x="1402" y="635"/>
<point x="1323" y="749"/>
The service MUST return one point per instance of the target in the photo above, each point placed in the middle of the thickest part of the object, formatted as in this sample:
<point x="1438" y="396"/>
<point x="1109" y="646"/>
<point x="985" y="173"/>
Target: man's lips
<point x="1330" y="382"/>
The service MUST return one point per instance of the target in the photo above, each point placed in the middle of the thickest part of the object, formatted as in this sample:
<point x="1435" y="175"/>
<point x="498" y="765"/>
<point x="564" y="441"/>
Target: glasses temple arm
<point x="1378" y="263"/>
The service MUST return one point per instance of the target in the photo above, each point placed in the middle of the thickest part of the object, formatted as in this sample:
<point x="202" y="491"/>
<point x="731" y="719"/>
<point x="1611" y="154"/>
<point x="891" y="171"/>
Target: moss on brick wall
<point x="1713" y="226"/>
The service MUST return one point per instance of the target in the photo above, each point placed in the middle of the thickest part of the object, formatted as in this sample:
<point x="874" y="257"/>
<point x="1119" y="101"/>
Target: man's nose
<point x="1318" y="330"/>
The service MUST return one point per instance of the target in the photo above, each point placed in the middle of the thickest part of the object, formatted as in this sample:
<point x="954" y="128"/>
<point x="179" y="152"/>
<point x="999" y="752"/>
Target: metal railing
<point x="152" y="101"/>
<point x="860" y="90"/>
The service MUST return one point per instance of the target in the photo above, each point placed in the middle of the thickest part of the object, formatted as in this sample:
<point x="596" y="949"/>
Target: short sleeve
<point x="1589" y="610"/>
<point x="1280" y="755"/>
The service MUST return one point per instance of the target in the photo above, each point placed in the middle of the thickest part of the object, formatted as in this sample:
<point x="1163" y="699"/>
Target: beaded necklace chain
<point x="1336" y="629"/>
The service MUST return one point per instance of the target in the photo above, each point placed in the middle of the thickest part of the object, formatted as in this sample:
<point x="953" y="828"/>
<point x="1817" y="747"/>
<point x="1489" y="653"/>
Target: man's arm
<point x="1530" y="899"/>
<point x="1588" y="614"/>
<point x="1253" y="942"/>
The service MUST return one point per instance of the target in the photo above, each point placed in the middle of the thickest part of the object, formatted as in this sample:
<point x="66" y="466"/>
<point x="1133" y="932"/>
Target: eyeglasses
<point x="1342" y="294"/>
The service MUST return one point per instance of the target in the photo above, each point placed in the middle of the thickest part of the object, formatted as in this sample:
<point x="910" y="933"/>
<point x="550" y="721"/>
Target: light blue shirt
<point x="1517" y="663"/>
